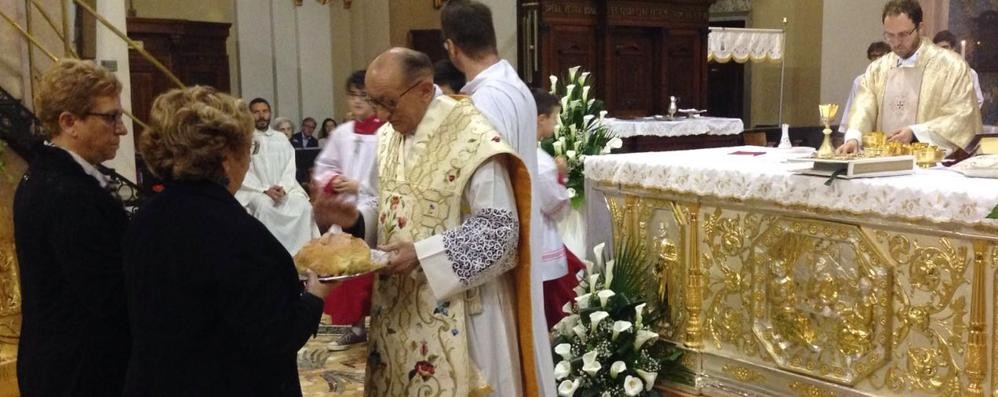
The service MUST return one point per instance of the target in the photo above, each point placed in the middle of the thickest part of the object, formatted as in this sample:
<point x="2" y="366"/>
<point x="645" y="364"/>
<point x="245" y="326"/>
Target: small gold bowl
<point x="874" y="139"/>
<point x="926" y="157"/>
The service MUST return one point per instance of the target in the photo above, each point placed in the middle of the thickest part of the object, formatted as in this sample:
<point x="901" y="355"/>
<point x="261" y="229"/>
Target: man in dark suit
<point x="68" y="230"/>
<point x="305" y="138"/>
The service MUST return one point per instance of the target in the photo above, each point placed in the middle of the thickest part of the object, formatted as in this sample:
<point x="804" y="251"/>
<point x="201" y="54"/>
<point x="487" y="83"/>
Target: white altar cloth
<point x="683" y="127"/>
<point x="937" y="195"/>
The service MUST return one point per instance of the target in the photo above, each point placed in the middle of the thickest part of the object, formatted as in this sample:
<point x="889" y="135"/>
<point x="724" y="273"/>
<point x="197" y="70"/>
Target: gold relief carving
<point x="976" y="358"/>
<point x="686" y="216"/>
<point x="932" y="328"/>
<point x="822" y="299"/>
<point x="810" y="390"/>
<point x="741" y="373"/>
<point x="569" y="9"/>
<point x="10" y="283"/>
<point x="616" y="216"/>
<point x="729" y="243"/>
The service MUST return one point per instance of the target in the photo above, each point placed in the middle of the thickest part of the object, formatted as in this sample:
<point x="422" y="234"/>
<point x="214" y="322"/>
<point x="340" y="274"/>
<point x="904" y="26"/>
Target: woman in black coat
<point x="67" y="230"/>
<point x="215" y="304"/>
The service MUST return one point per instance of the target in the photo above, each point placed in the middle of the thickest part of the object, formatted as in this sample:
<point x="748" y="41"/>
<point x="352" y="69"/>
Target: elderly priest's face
<point x="399" y="98"/>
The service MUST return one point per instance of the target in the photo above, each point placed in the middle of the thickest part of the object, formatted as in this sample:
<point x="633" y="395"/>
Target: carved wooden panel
<point x="686" y="67"/>
<point x="568" y="46"/>
<point x="632" y="72"/>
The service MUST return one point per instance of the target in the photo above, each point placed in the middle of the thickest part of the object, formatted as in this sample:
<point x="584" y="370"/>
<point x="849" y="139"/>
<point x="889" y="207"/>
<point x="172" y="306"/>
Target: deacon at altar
<point x="918" y="91"/>
<point x="270" y="192"/>
<point x="454" y="205"/>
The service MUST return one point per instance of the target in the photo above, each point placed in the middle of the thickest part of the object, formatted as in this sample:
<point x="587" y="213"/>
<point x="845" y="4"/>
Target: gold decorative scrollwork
<point x="933" y="318"/>
<point x="811" y="390"/>
<point x="741" y="373"/>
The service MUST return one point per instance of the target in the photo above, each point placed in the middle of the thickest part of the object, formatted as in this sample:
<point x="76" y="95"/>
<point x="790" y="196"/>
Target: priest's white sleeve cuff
<point x="437" y="267"/>
<point x="853" y="133"/>
<point x="921" y="132"/>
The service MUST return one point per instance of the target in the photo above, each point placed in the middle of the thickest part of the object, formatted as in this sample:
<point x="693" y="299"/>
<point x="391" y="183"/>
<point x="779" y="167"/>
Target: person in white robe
<point x="270" y="192"/>
<point x="876" y="50"/>
<point x="497" y="91"/>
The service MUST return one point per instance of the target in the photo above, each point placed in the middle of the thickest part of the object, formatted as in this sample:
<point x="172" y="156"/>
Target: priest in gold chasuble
<point x="451" y="315"/>
<point x="918" y="91"/>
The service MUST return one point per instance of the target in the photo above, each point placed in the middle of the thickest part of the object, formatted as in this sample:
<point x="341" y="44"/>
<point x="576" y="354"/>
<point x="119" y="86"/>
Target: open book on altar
<point x="859" y="167"/>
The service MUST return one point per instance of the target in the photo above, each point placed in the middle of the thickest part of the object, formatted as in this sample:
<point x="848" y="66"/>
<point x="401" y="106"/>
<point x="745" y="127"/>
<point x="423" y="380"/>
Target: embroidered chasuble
<point x="935" y="97"/>
<point x="441" y="329"/>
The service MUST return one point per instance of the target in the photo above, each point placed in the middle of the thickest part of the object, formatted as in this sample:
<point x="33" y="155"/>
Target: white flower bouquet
<point x="607" y="345"/>
<point x="580" y="132"/>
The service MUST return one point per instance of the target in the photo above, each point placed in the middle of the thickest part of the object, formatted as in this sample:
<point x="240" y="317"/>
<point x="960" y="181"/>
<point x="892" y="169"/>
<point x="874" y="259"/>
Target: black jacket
<point x="215" y="303"/>
<point x="300" y="141"/>
<point x="68" y="230"/>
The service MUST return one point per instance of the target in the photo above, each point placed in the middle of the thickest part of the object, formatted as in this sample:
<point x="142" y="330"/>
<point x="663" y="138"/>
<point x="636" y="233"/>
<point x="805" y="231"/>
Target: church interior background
<point x="299" y="53"/>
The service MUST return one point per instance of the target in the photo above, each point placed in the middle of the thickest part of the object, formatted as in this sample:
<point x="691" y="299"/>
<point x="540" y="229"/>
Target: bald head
<point x="401" y="66"/>
<point x="400" y="86"/>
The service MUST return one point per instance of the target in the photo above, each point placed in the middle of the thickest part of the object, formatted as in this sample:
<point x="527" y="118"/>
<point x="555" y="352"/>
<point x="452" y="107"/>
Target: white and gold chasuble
<point x="946" y="111"/>
<point x="419" y="345"/>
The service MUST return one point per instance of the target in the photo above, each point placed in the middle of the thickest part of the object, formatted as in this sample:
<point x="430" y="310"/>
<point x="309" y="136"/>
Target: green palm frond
<point x="633" y="277"/>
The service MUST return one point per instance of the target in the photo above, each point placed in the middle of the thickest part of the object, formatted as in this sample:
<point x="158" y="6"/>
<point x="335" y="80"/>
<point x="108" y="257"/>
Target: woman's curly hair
<point x="191" y="130"/>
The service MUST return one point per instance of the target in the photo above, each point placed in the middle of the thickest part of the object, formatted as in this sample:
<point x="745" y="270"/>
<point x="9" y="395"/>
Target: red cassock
<point x="559" y="290"/>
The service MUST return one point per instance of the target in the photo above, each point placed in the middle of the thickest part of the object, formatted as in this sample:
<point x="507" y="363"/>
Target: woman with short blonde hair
<point x="215" y="304"/>
<point x="70" y="86"/>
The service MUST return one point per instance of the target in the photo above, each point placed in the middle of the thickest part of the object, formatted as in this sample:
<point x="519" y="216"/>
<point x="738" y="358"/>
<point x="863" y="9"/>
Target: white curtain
<point x="744" y="45"/>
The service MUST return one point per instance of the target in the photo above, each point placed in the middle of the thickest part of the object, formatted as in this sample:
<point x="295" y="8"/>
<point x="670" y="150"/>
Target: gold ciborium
<point x="827" y="112"/>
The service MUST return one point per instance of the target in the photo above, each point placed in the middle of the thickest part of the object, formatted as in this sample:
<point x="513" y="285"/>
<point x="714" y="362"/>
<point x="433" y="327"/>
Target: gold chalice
<point x="827" y="112"/>
<point x="928" y="156"/>
<point x="873" y="143"/>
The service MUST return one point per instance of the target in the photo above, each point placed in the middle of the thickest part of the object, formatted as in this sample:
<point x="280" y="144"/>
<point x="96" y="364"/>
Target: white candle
<point x="963" y="48"/>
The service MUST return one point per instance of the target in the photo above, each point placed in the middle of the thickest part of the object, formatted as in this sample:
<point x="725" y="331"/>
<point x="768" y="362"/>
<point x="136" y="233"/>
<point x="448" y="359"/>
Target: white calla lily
<point x="583" y="300"/>
<point x="571" y="192"/>
<point x="564" y="326"/>
<point x="570" y="154"/>
<point x="596" y="317"/>
<point x="604" y="295"/>
<point x="562" y="370"/>
<point x="558" y="147"/>
<point x="638" y="312"/>
<point x="614" y="143"/>
<point x="590" y="363"/>
<point x="587" y="118"/>
<point x="572" y="72"/>
<point x="564" y="350"/>
<point x="584" y="77"/>
<point x="585" y="93"/>
<point x="608" y="273"/>
<point x="648" y="378"/>
<point x="602" y="114"/>
<point x="567" y="387"/>
<point x="554" y="83"/>
<point x="633" y="386"/>
<point x="598" y="253"/>
<point x="564" y="103"/>
<point x="642" y="337"/>
<point x="567" y="307"/>
<point x="568" y="89"/>
<point x="616" y="368"/>
<point x="620" y="326"/>
<point x="593" y="278"/>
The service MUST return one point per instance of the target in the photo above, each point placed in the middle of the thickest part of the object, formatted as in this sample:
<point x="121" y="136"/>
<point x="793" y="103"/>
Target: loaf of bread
<point x="334" y="255"/>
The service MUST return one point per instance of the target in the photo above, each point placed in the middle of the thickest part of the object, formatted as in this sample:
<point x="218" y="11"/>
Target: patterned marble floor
<point x="327" y="373"/>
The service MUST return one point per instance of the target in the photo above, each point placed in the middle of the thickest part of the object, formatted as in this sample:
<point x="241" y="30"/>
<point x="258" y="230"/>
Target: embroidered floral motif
<point x="479" y="247"/>
<point x="401" y="222"/>
<point x="442" y="308"/>
<point x="424" y="368"/>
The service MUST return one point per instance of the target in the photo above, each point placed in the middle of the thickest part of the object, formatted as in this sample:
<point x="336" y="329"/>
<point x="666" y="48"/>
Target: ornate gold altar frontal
<point x="774" y="300"/>
<point x="10" y="287"/>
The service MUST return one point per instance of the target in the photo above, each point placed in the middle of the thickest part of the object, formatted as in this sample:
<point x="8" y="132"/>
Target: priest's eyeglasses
<point x="390" y="107"/>
<point x="891" y="37"/>
<point x="111" y="118"/>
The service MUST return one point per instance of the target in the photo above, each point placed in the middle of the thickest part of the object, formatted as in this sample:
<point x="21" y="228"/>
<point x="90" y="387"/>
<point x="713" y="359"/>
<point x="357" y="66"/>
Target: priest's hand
<point x="343" y="184"/>
<point x="403" y="257"/>
<point x="318" y="288"/>
<point x="903" y="135"/>
<point x="333" y="209"/>
<point x="851" y="146"/>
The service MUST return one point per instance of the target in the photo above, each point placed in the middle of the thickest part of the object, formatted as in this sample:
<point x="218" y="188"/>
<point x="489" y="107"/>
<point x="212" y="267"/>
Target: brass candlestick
<point x="827" y="112"/>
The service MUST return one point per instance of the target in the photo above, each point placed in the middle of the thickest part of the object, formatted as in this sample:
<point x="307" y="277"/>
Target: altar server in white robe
<point x="918" y="91"/>
<point x="270" y="192"/>
<point x="449" y="314"/>
<point x="497" y="91"/>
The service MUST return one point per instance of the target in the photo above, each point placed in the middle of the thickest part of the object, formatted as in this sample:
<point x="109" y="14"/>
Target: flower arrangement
<point x="606" y="346"/>
<point x="581" y="131"/>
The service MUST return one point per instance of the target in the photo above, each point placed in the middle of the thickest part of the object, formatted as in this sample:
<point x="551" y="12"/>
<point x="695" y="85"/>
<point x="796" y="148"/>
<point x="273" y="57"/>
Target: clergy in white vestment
<point x="918" y="91"/>
<point x="450" y="315"/>
<point x="270" y="192"/>
<point x="876" y="50"/>
<point x="497" y="92"/>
